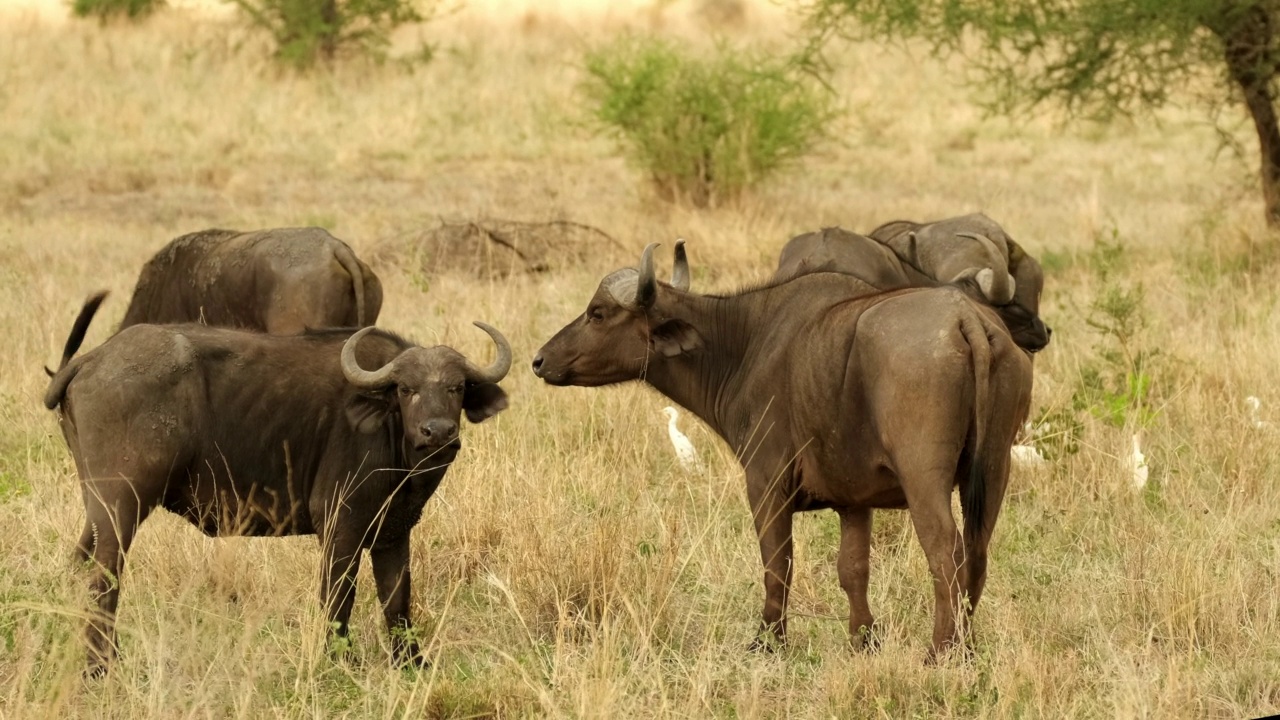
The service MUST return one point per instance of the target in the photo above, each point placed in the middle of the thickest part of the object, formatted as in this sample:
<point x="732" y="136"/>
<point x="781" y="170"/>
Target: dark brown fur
<point x="245" y="433"/>
<point x="833" y="398"/>
<point x="279" y="281"/>
<point x="935" y="255"/>
<point x="875" y="263"/>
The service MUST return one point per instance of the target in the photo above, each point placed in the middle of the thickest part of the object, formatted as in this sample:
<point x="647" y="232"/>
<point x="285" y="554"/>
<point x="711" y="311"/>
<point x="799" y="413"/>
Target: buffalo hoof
<point x="342" y="652"/>
<point x="865" y="639"/>
<point x="101" y="655"/>
<point x="410" y="658"/>
<point x="766" y="643"/>
<point x="962" y="653"/>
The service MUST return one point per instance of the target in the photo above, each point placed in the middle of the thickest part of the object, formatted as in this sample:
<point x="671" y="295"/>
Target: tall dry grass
<point x="567" y="567"/>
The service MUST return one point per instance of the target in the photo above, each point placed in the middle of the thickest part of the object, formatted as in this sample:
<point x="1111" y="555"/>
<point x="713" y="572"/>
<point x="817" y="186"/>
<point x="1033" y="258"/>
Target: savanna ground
<point x="568" y="567"/>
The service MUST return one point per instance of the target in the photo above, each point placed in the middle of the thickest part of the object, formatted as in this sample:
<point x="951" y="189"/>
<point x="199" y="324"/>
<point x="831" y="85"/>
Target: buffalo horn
<point x="1010" y="285"/>
<point x="986" y="243"/>
<point x="647" y="282"/>
<point x="358" y="376"/>
<point x="501" y="363"/>
<point x="680" y="270"/>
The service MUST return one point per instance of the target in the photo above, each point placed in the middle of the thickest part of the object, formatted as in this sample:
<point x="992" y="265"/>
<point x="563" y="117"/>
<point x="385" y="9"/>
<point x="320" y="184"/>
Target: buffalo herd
<point x="247" y="391"/>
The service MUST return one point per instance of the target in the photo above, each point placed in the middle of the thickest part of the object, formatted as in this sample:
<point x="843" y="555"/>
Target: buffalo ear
<point x="674" y="337"/>
<point x="1016" y="254"/>
<point x="967" y="282"/>
<point x="913" y="253"/>
<point x="483" y="400"/>
<point x="368" y="413"/>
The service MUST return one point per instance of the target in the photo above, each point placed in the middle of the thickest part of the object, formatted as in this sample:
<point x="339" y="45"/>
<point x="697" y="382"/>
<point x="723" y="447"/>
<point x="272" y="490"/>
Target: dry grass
<point x="567" y="567"/>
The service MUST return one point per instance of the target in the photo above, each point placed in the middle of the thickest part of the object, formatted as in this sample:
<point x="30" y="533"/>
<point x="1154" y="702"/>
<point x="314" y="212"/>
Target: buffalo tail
<point x="973" y="498"/>
<point x="348" y="261"/>
<point x="58" y="385"/>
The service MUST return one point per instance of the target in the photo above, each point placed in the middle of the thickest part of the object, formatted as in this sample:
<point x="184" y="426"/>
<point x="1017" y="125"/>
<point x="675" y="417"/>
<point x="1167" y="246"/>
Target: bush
<point x="704" y="128"/>
<point x="309" y="30"/>
<point x="110" y="9"/>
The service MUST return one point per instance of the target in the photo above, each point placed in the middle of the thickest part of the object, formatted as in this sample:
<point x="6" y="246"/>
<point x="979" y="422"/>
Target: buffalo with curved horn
<point x="834" y="396"/>
<point x="243" y="433"/>
<point x="965" y="245"/>
<point x="958" y="252"/>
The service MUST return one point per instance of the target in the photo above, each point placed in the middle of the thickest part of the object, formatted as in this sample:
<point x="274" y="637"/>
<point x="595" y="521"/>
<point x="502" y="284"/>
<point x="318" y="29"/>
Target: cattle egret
<point x="1138" y="463"/>
<point x="684" y="449"/>
<point x="1254" y="404"/>
<point x="1026" y="455"/>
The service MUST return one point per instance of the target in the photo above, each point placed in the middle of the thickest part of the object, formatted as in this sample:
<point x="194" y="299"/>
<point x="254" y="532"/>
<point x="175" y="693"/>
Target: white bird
<point x="685" y="453"/>
<point x="1026" y="455"/>
<point x="1254" y="404"/>
<point x="1138" y="463"/>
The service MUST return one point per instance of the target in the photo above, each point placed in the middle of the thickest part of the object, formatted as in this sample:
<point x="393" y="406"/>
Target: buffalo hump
<point x="280" y="281"/>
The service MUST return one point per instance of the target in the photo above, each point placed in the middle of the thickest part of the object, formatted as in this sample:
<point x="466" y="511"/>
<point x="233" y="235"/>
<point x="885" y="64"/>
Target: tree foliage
<point x="306" y="31"/>
<point x="1094" y="57"/>
<point x="112" y="9"/>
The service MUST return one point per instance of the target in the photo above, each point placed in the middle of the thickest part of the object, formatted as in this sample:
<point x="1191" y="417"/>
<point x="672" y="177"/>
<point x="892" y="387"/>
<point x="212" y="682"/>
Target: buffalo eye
<point x="404" y="391"/>
<point x="595" y="314"/>
<point x="457" y="389"/>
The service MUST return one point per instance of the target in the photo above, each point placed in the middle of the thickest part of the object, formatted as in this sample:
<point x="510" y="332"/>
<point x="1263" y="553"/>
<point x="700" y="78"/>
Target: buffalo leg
<point x="772" y="515"/>
<point x="84" y="548"/>
<point x="854" y="568"/>
<point x="114" y="524"/>
<point x="936" y="529"/>
<point x="338" y="581"/>
<point x="391" y="574"/>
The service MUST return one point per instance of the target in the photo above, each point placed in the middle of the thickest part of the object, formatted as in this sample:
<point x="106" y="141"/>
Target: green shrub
<point x="1118" y="383"/>
<point x="309" y="30"/>
<point x="704" y="128"/>
<point x="111" y="9"/>
<point x="1117" y="388"/>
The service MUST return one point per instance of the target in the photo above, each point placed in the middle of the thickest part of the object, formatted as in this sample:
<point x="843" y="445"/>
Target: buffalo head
<point x="1025" y="327"/>
<point x="611" y="341"/>
<point x="429" y="388"/>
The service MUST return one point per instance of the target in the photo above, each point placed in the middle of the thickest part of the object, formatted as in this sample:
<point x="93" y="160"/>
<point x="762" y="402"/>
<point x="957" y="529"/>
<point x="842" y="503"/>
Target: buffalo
<point x="278" y="281"/>
<point x="882" y="268"/>
<point x="244" y="433"/>
<point x="968" y="245"/>
<point x="834" y="398"/>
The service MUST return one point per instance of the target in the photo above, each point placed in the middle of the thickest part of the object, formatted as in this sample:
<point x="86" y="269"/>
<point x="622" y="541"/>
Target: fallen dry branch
<point x="492" y="248"/>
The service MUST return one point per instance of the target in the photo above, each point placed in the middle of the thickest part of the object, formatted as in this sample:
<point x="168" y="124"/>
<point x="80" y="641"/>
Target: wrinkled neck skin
<point x="412" y="477"/>
<point x="702" y="381"/>
<point x="706" y="381"/>
<point x="730" y="382"/>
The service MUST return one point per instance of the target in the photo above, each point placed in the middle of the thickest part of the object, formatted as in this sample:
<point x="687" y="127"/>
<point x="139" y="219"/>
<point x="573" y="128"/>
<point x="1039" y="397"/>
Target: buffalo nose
<point x="1048" y="331"/>
<point x="537" y="364"/>
<point x="438" y="432"/>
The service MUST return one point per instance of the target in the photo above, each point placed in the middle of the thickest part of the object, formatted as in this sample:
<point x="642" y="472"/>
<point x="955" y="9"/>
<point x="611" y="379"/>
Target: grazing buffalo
<point x="968" y="245"/>
<point x="834" y="399"/>
<point x="280" y="281"/>
<point x="875" y="263"/>
<point x="245" y="433"/>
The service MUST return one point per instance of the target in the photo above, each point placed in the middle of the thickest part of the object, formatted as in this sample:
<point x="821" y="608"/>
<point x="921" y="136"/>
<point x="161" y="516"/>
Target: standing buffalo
<point x="877" y="264"/>
<point x="279" y="281"/>
<point x="839" y="400"/>
<point x="251" y="434"/>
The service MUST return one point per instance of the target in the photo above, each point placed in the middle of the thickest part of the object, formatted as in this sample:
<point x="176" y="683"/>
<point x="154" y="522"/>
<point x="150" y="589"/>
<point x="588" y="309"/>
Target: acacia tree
<point x="1094" y="57"/>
